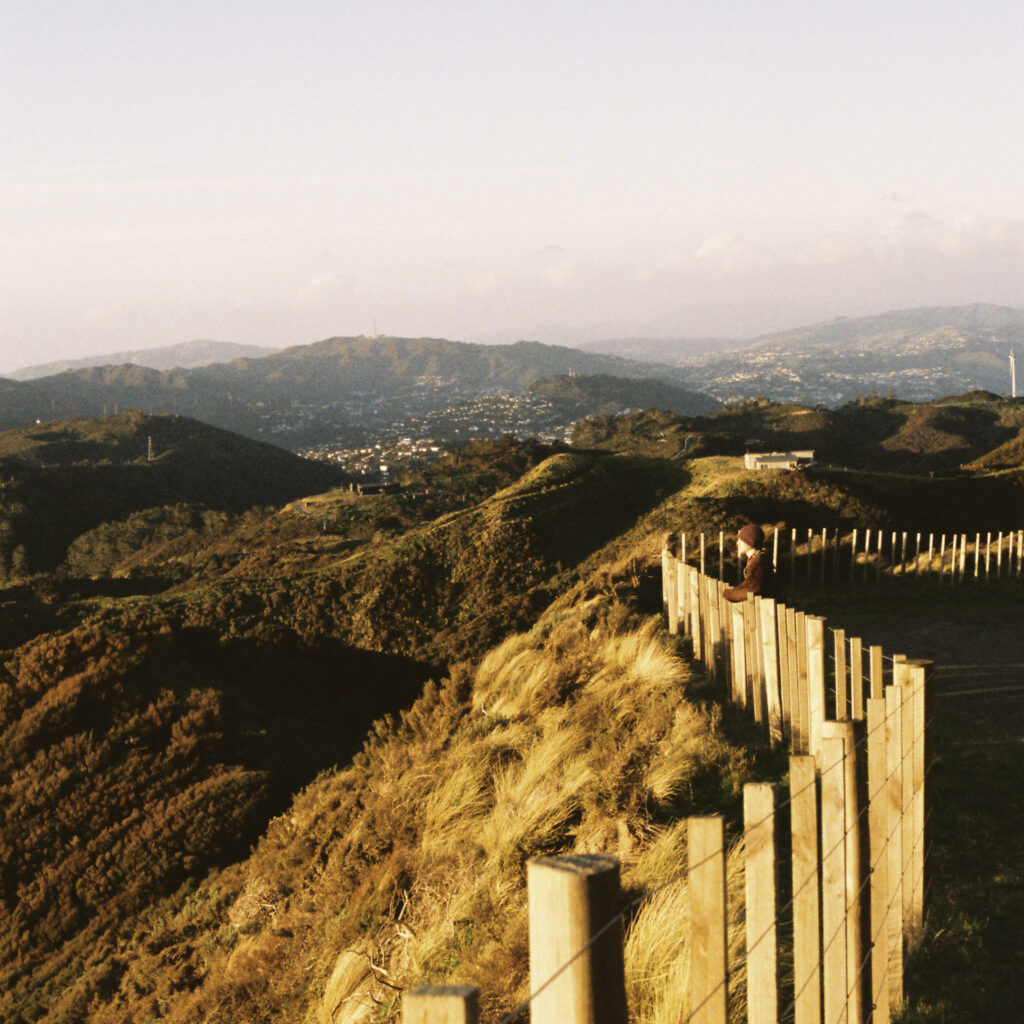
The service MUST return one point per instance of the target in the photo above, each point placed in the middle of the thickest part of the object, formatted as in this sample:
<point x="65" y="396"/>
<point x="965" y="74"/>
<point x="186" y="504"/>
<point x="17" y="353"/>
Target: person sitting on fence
<point x="759" y="575"/>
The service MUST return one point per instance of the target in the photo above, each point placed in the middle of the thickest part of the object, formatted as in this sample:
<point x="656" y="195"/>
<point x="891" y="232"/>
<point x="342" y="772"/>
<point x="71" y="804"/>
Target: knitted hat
<point x="753" y="535"/>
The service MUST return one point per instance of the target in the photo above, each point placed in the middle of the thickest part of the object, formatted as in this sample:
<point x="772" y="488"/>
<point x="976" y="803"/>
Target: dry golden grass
<point x="657" y="953"/>
<point x="408" y="867"/>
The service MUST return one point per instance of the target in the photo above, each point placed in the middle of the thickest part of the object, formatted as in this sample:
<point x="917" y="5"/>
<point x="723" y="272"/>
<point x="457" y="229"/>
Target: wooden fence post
<point x="739" y="656"/>
<point x="703" y="555"/>
<point x="833" y="880"/>
<point x="803" y="797"/>
<point x="714" y="630"/>
<point x="815" y="681"/>
<point x="856" y="835"/>
<point x="794" y="679"/>
<point x="709" y="986"/>
<point x="725" y="622"/>
<point x="856" y="678"/>
<point x="839" y="658"/>
<point x="801" y="704"/>
<point x="785" y="672"/>
<point x="878" y="839"/>
<point x="770" y="662"/>
<point x="919" y="685"/>
<point x="571" y="899"/>
<point x="903" y="680"/>
<point x="683" y="597"/>
<point x="441" y="1004"/>
<point x="894" y="839"/>
<point x="762" y="944"/>
<point x="752" y="700"/>
<point x="721" y="554"/>
<point x="877" y="671"/>
<point x="669" y="584"/>
<point x="695" y="619"/>
<point x="757" y="660"/>
<point x="792" y="556"/>
<point x="853" y="551"/>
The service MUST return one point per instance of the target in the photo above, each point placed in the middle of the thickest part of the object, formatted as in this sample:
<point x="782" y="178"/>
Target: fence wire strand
<point x="786" y="801"/>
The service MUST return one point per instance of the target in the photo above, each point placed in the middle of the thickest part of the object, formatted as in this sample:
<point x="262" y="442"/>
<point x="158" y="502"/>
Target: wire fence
<point x="835" y="862"/>
<point x="807" y="556"/>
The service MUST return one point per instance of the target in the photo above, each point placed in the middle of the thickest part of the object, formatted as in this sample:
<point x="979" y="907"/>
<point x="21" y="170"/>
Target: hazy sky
<point x="277" y="173"/>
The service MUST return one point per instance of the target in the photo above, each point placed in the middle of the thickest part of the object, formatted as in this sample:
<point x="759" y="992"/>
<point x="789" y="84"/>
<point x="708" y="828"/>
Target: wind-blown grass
<point x="408" y="866"/>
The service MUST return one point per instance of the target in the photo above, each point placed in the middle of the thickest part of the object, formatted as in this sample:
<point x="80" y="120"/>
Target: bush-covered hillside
<point x="407" y="866"/>
<point x="871" y="433"/>
<point x="60" y="479"/>
<point x="197" y="820"/>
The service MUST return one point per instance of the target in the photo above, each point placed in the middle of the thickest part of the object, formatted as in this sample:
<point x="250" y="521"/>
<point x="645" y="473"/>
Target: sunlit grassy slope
<point x="582" y="734"/>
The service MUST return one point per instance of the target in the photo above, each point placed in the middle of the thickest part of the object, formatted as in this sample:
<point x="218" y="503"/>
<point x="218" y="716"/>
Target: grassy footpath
<point x="971" y="965"/>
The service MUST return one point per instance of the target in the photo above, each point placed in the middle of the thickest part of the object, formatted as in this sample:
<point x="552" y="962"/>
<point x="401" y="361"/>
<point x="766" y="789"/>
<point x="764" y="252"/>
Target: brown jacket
<point x="758" y="578"/>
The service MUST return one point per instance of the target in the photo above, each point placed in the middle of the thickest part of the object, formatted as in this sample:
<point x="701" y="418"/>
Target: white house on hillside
<point x="778" y="460"/>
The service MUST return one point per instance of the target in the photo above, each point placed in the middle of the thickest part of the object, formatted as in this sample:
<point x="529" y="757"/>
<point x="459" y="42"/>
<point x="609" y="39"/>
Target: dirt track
<point x="979" y="661"/>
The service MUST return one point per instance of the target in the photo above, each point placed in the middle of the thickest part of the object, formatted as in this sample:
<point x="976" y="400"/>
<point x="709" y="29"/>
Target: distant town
<point x="389" y="449"/>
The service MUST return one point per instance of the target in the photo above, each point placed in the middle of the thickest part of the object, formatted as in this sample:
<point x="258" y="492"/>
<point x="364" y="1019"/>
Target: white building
<point x="778" y="460"/>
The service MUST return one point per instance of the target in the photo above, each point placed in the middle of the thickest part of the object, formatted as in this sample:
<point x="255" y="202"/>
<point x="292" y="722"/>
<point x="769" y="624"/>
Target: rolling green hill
<point x="62" y="478"/>
<point x="872" y="433"/>
<point x="601" y="394"/>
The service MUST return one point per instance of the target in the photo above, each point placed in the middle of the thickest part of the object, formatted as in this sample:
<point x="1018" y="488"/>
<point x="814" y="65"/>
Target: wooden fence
<point x="835" y="863"/>
<point x="806" y="556"/>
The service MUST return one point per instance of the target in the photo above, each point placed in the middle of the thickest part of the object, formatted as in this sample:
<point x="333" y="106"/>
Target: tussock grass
<point x="408" y="866"/>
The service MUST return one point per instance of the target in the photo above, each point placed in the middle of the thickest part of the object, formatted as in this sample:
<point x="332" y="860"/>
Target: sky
<point x="278" y="173"/>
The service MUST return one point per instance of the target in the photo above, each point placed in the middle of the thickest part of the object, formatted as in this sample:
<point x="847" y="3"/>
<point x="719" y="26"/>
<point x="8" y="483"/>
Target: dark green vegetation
<point x="59" y="480"/>
<point x="188" y="830"/>
<point x="871" y="434"/>
<point x="602" y="395"/>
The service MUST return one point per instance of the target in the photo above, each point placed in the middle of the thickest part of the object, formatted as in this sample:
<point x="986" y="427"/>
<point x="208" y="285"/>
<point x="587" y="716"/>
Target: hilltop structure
<point x="778" y="460"/>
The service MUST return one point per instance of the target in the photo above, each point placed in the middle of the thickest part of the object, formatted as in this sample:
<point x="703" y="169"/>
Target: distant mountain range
<point x="341" y="388"/>
<point x="345" y="391"/>
<point x="186" y="355"/>
<point x="915" y="354"/>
